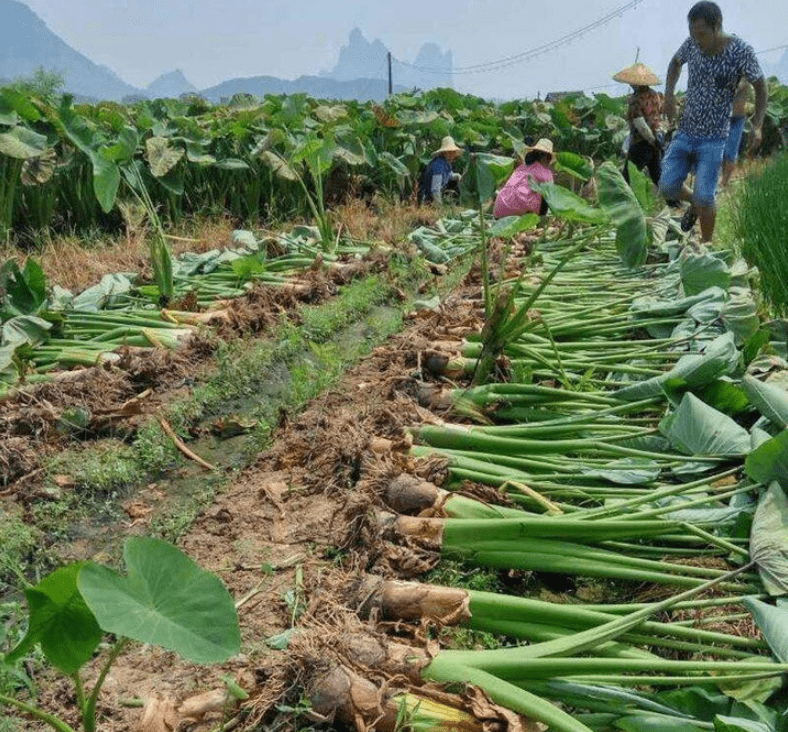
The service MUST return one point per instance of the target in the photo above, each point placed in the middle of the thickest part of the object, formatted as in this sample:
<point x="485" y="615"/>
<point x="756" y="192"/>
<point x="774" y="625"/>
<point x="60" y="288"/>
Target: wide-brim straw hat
<point x="637" y="75"/>
<point x="544" y="145"/>
<point x="447" y="145"/>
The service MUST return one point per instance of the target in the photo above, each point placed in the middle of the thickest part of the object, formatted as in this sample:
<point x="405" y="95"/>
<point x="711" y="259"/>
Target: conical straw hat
<point x="637" y="75"/>
<point x="544" y="145"/>
<point x="447" y="145"/>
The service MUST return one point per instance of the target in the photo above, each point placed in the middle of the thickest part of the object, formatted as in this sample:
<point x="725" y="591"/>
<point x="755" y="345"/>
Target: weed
<point x="154" y="451"/>
<point x="468" y="640"/>
<point x="454" y="573"/>
<point x="18" y="543"/>
<point x="100" y="469"/>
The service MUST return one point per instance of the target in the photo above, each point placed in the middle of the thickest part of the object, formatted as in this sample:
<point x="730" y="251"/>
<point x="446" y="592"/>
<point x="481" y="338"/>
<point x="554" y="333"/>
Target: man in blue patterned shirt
<point x="716" y="62"/>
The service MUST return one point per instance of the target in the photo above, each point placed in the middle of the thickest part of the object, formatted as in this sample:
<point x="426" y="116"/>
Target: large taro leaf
<point x="195" y="153"/>
<point x="350" y="150"/>
<point x="326" y="113"/>
<point x="124" y="147"/>
<point x="648" y="307"/>
<point x="626" y="471"/>
<point x="60" y="621"/>
<point x="19" y="102"/>
<point x="317" y="153"/>
<point x="394" y="164"/>
<point x="621" y="204"/>
<point x="771" y="401"/>
<point x="575" y="165"/>
<point x="740" y="724"/>
<point x="510" y="226"/>
<point x="278" y="165"/>
<point x="22" y="144"/>
<point x="740" y="314"/>
<point x="110" y="287"/>
<point x="701" y="271"/>
<point x="769" y="540"/>
<point x="709" y="311"/>
<point x="40" y="169"/>
<point x="22" y="291"/>
<point x="723" y="394"/>
<point x="643" y="189"/>
<point x="478" y="183"/>
<point x="25" y="329"/>
<point x="645" y="722"/>
<point x="106" y="180"/>
<point x="773" y="623"/>
<point x="106" y="173"/>
<point x="692" y="371"/>
<point x="769" y="461"/>
<point x="165" y="599"/>
<point x="500" y="167"/>
<point x="568" y="205"/>
<point x="695" y="428"/>
<point x="162" y="155"/>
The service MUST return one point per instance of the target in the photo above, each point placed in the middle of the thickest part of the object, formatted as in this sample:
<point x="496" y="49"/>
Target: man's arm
<point x="674" y="71"/>
<point x="761" y="98"/>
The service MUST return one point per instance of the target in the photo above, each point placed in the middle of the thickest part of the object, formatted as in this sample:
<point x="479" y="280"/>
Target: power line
<point x="372" y="80"/>
<point x="776" y="48"/>
<point x="532" y="53"/>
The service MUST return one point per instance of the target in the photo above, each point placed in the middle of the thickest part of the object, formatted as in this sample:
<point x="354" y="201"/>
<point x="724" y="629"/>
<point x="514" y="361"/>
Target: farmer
<point x="644" y="115"/>
<point x="439" y="175"/>
<point x="716" y="62"/>
<point x="733" y="143"/>
<point x="516" y="197"/>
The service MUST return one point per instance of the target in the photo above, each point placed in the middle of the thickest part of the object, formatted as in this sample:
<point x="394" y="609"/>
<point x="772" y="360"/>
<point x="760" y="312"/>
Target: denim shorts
<point x="687" y="152"/>
<point x="734" y="139"/>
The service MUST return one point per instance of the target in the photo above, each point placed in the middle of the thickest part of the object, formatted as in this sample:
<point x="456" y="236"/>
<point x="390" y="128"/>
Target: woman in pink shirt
<point x="516" y="197"/>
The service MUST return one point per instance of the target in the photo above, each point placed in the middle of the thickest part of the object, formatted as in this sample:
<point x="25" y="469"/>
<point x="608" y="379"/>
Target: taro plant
<point x="19" y="147"/>
<point x="164" y="599"/>
<point x="113" y="160"/>
<point x="316" y="155"/>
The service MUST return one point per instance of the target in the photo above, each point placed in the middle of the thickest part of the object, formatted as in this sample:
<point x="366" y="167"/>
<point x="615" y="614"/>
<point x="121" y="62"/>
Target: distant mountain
<point x="315" y="86"/>
<point x="170" y="85"/>
<point x="362" y="59"/>
<point x="27" y="44"/>
<point x="432" y="68"/>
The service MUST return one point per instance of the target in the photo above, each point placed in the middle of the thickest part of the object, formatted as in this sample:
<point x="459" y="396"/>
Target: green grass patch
<point x="463" y="575"/>
<point x="98" y="470"/>
<point x="761" y="222"/>
<point x="18" y="544"/>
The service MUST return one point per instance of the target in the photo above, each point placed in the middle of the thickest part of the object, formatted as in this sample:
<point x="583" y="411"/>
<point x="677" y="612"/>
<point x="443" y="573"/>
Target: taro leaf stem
<point x="50" y="719"/>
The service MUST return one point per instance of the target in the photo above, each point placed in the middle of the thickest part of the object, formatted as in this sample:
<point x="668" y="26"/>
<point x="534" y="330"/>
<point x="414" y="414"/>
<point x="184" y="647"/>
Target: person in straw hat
<point x="716" y="62"/>
<point x="516" y="197"/>
<point x="644" y="115"/>
<point x="439" y="174"/>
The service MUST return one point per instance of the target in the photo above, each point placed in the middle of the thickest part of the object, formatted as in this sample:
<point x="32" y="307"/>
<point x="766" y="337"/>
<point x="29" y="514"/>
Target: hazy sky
<point x="213" y="41"/>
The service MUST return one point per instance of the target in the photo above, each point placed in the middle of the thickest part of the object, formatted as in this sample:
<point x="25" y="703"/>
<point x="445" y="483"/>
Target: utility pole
<point x="391" y="86"/>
